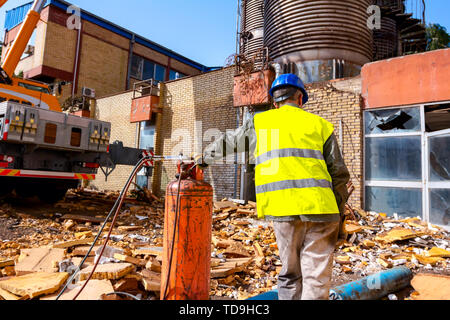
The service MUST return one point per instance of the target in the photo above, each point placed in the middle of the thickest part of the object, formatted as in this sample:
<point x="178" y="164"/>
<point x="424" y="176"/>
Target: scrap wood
<point x="431" y="287"/>
<point x="153" y="265"/>
<point x="6" y="295"/>
<point x="107" y="271"/>
<point x="82" y="218"/>
<point x="82" y="251"/>
<point x="39" y="260"/>
<point x="398" y="234"/>
<point x="438" y="252"/>
<point x="245" y="211"/>
<point x="350" y="227"/>
<point x="125" y="258"/>
<point x="152" y="251"/>
<point x="143" y="194"/>
<point x="73" y="243"/>
<point x="129" y="228"/>
<point x="220" y="217"/>
<point x="220" y="243"/>
<point x="236" y="249"/>
<point x="427" y="260"/>
<point x="126" y="284"/>
<point x="34" y="284"/>
<point x="258" y="250"/>
<point x="6" y="263"/>
<point x="230" y="266"/>
<point x="151" y="280"/>
<point x="93" y="291"/>
<point x="221" y="205"/>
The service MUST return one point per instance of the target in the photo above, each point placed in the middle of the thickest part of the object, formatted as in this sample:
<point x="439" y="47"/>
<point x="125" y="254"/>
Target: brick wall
<point x="60" y="47"/>
<point x="116" y="110"/>
<point x="192" y="107"/>
<point x="103" y="67"/>
<point x="336" y="101"/>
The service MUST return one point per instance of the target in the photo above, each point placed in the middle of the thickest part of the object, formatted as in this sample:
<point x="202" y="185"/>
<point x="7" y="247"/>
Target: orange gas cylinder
<point x="187" y="238"/>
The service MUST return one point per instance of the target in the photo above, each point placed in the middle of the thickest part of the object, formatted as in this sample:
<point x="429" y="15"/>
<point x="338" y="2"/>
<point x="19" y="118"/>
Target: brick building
<point x="99" y="55"/>
<point x="199" y="108"/>
<point x="393" y="131"/>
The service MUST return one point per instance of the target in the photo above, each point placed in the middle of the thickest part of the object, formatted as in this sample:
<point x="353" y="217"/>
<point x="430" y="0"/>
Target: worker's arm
<point x="338" y="171"/>
<point x="243" y="138"/>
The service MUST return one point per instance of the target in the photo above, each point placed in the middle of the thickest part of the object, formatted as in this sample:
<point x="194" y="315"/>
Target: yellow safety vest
<point x="291" y="175"/>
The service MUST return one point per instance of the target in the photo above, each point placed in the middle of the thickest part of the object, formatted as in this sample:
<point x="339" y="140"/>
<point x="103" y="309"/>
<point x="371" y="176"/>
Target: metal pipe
<point x="375" y="286"/>
<point x="372" y="287"/>
<point x="77" y="59"/>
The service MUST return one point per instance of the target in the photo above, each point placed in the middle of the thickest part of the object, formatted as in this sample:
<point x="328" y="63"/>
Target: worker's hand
<point x="199" y="161"/>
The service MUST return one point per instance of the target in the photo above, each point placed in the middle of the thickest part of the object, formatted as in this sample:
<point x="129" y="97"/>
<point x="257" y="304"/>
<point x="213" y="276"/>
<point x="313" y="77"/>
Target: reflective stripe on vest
<point x="291" y="175"/>
<point x="284" y="153"/>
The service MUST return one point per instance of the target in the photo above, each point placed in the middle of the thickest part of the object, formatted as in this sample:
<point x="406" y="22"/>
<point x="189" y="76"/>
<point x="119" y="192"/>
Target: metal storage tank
<point x="385" y="40"/>
<point x="252" y="27"/>
<point x="318" y="39"/>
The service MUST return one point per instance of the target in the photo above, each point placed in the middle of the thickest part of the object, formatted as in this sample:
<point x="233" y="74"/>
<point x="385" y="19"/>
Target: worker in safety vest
<point x="300" y="180"/>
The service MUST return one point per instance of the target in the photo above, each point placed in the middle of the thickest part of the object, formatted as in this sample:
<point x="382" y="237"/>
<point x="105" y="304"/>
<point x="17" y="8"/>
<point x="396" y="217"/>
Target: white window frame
<point x="425" y="185"/>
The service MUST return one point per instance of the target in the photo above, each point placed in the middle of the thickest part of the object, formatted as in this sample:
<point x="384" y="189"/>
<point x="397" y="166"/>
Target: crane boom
<point x="26" y="31"/>
<point x="2" y="2"/>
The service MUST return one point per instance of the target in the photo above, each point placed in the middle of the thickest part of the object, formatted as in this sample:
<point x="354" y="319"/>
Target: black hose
<point x="114" y="208"/>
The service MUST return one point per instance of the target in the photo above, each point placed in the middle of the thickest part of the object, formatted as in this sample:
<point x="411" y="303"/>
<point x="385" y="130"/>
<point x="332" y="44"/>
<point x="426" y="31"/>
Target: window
<point x="392" y="121"/>
<point x="33" y="87"/>
<point x="146" y="141"/>
<point x="440" y="206"/>
<point x="149" y="70"/>
<point x="394" y="158"/>
<point x="50" y="133"/>
<point x="405" y="202"/>
<point x="143" y="69"/>
<point x="407" y="162"/>
<point x="147" y="135"/>
<point x="173" y="75"/>
<point x="160" y="73"/>
<point x="437" y="117"/>
<point x="137" y="67"/>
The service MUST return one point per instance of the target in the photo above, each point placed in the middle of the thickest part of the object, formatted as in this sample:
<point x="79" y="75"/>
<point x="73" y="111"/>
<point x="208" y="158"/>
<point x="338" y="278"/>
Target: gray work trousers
<point x="306" y="252"/>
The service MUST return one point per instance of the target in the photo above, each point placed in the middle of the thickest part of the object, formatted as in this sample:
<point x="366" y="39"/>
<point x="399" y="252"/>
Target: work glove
<point x="200" y="161"/>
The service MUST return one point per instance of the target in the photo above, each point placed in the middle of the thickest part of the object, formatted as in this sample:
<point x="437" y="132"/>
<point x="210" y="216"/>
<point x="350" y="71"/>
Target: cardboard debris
<point x="431" y="287"/>
<point x="34" y="284"/>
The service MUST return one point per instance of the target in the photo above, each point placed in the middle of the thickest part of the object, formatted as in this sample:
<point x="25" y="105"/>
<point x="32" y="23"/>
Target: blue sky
<point x="202" y="30"/>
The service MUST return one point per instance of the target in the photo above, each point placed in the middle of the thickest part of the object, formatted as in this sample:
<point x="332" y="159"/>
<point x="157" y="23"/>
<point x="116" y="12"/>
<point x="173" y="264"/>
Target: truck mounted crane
<point x="43" y="151"/>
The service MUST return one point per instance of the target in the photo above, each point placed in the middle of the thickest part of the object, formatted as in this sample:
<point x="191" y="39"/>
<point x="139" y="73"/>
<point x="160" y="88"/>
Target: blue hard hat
<point x="289" y="80"/>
